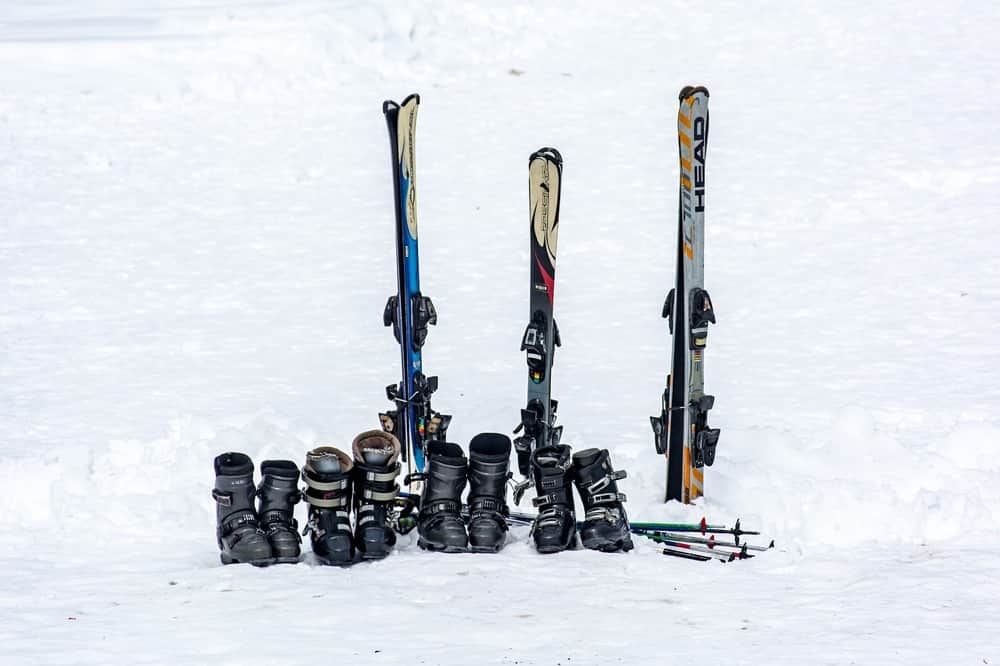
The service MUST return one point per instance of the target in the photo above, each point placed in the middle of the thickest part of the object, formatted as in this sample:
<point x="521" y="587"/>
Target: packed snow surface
<point x="196" y="243"/>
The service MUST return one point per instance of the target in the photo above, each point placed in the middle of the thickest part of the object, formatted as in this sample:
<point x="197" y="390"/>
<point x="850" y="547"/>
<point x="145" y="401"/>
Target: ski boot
<point x="278" y="495"/>
<point x="240" y="539"/>
<point x="327" y="474"/>
<point x="489" y="469"/>
<point x="605" y="525"/>
<point x="554" y="529"/>
<point x="376" y="466"/>
<point x="440" y="523"/>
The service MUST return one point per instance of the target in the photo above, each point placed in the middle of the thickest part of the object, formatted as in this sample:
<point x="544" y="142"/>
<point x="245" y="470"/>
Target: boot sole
<point x="440" y="548"/>
<point x="228" y="559"/>
<point x="485" y="549"/>
<point x="327" y="562"/>
<point x="624" y="545"/>
<point x="556" y="548"/>
<point x="286" y="560"/>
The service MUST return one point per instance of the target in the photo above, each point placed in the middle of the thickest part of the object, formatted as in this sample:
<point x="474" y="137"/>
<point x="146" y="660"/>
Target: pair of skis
<point x="409" y="312"/>
<point x="537" y="427"/>
<point x="412" y="420"/>
<point x="680" y="431"/>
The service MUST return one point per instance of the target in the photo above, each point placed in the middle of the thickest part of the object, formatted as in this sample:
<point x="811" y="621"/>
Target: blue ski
<point x="409" y="312"/>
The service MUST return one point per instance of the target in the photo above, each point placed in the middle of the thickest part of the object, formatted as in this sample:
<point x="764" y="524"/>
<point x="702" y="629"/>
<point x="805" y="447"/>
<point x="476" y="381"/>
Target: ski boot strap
<point x="518" y="489"/>
<point x="605" y="481"/>
<point x="222" y="498"/>
<point x="272" y="516"/>
<point x="237" y="521"/>
<point x="560" y="497"/>
<point x="486" y="507"/>
<point x="553" y="515"/>
<point x="607" y="498"/>
<point x="441" y="506"/>
<point x="608" y="481"/>
<point x="380" y="496"/>
<point x="327" y="494"/>
<point x="379" y="475"/>
<point x="273" y="524"/>
<point x="342" y="519"/>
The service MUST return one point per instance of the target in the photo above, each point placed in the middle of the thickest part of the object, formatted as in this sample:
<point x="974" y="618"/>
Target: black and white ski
<point x="681" y="429"/>
<point x="541" y="337"/>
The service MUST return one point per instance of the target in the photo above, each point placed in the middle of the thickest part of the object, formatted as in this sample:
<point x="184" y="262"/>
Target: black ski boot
<point x="327" y="474"/>
<point x="279" y="493"/>
<point x="240" y="539"/>
<point x="489" y="469"/>
<point x="440" y="523"/>
<point x="376" y="466"/>
<point x="554" y="529"/>
<point x="605" y="526"/>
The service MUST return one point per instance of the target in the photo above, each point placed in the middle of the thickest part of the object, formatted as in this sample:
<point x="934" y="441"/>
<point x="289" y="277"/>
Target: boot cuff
<point x="285" y="469"/>
<point x="490" y="444"/>
<point x="376" y="440"/>
<point x="233" y="464"/>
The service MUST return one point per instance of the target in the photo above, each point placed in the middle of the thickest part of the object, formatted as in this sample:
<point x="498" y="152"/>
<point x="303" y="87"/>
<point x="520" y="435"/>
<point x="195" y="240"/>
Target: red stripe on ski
<point x="550" y="283"/>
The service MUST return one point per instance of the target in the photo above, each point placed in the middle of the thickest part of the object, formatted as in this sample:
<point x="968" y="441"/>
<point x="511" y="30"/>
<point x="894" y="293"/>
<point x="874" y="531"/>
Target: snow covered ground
<point x="196" y="245"/>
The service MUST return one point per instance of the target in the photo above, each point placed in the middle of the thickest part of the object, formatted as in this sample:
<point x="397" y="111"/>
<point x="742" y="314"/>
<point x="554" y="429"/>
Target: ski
<point x="680" y="431"/>
<point x="541" y="337"/>
<point x="409" y="312"/>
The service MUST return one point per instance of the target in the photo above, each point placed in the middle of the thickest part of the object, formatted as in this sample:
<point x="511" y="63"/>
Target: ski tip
<point x="688" y="91"/>
<point x="771" y="545"/>
<point x="550" y="154"/>
<point x="390" y="105"/>
<point x="703" y="524"/>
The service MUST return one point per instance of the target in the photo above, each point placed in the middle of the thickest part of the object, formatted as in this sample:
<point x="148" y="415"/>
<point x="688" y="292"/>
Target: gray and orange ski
<point x="681" y="429"/>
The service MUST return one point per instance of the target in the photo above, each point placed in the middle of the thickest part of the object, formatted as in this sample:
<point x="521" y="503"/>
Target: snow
<point x="196" y="245"/>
